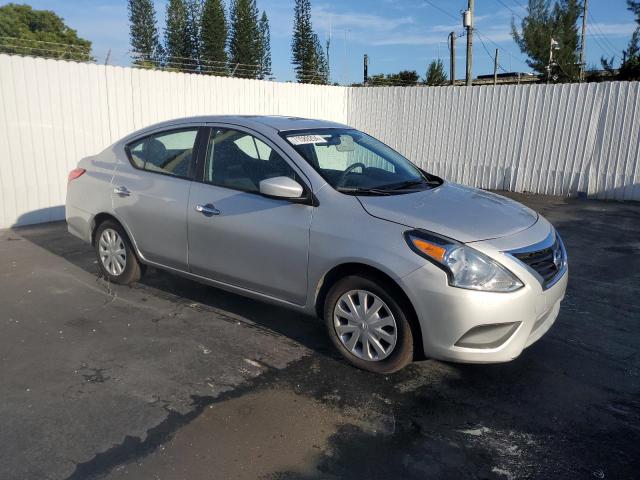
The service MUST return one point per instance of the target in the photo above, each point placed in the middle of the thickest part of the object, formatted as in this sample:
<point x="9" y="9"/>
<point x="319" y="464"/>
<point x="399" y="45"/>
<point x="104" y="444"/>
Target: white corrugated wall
<point x="53" y="113"/>
<point x="558" y="139"/>
<point x="551" y="139"/>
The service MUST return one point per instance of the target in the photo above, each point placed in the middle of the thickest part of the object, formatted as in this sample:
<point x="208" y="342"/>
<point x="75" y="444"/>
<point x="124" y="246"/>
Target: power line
<point x="605" y="40"/>
<point x="489" y="53"/>
<point x="509" y="8"/>
<point x="450" y="15"/>
<point x="501" y="48"/>
<point x="519" y="5"/>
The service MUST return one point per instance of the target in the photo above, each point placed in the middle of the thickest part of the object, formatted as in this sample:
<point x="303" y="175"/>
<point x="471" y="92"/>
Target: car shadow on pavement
<point x="304" y="329"/>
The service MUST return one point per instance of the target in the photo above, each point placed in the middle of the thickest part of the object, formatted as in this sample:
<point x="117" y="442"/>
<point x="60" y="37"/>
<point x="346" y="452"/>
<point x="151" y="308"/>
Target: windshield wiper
<point x="404" y="185"/>
<point x="361" y="190"/>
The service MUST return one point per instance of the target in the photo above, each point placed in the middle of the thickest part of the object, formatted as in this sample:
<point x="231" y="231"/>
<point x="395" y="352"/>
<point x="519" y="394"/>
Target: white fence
<point x="542" y="139"/>
<point x="552" y="139"/>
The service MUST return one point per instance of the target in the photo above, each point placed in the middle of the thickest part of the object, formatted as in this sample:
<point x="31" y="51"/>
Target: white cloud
<point x="611" y="29"/>
<point x="324" y="16"/>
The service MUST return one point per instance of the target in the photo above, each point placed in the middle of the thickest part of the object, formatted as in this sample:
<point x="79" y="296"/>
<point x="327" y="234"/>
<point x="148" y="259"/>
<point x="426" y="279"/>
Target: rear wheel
<point x="367" y="325"/>
<point x="116" y="258"/>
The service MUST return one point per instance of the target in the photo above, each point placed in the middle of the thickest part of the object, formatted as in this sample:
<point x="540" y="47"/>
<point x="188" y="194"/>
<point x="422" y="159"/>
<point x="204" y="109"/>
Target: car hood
<point x="463" y="213"/>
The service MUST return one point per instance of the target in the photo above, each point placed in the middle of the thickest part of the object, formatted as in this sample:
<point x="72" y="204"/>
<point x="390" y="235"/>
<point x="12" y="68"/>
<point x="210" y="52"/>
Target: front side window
<point x="167" y="152"/>
<point x="353" y="162"/>
<point x="241" y="161"/>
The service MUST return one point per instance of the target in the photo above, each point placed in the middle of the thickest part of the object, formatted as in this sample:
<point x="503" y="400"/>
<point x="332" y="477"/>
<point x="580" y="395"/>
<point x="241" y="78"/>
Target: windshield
<point x="353" y="162"/>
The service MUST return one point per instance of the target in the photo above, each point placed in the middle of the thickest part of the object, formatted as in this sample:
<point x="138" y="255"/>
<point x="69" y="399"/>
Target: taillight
<point x="75" y="173"/>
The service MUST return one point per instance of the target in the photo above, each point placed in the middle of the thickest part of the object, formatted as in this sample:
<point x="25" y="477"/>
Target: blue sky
<point x="396" y="34"/>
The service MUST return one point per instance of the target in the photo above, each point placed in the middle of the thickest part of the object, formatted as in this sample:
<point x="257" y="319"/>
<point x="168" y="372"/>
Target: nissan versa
<point x="323" y="218"/>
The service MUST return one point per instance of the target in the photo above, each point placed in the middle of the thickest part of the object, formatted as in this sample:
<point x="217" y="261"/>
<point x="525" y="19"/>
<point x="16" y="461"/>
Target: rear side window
<point x="167" y="152"/>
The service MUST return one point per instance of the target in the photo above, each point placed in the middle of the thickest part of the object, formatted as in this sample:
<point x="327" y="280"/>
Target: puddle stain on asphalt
<point x="256" y="435"/>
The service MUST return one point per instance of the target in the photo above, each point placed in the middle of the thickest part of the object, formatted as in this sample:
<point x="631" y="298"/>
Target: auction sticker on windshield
<point x="306" y="139"/>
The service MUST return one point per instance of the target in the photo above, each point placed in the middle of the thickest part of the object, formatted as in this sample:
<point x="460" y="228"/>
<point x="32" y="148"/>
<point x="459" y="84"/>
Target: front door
<point x="238" y="236"/>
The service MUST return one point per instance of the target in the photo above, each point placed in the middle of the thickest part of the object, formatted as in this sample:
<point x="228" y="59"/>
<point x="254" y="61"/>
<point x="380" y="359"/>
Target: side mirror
<point x="281" y="187"/>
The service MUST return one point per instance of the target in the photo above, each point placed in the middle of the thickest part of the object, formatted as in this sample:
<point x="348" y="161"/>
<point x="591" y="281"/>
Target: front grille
<point x="547" y="262"/>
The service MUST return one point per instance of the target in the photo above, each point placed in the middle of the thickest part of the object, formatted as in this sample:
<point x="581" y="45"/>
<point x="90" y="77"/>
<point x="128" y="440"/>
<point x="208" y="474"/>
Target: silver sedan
<point x="317" y="216"/>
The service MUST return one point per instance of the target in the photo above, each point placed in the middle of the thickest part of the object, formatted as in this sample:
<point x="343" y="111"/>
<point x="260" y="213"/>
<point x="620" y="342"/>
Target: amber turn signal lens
<point x="434" y="251"/>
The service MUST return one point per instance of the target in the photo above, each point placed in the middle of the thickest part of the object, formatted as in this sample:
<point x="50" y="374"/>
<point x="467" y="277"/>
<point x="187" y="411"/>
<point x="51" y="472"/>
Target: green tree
<point x="264" y="47"/>
<point x="40" y="33"/>
<point x="143" y="33"/>
<point x="178" y="37"/>
<point x="244" y="39"/>
<point x="404" y="78"/>
<point x="321" y="61"/>
<point x="544" y="23"/>
<point x="213" y="31"/>
<point x="436" y="75"/>
<point x="630" y="66"/>
<point x="194" y="15"/>
<point x="308" y="57"/>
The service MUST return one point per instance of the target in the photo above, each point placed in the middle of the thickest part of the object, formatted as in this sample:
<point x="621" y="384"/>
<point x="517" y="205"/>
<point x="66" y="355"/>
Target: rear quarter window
<point x="168" y="152"/>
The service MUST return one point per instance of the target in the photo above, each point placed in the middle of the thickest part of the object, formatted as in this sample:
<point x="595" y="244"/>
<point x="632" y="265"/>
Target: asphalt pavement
<point x="170" y="379"/>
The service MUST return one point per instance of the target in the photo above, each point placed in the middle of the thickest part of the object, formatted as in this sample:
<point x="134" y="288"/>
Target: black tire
<point x="402" y="353"/>
<point x="133" y="269"/>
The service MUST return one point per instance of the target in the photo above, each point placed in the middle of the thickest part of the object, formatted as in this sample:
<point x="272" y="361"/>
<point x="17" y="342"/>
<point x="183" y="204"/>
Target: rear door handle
<point x="122" y="191"/>
<point x="207" y="210"/>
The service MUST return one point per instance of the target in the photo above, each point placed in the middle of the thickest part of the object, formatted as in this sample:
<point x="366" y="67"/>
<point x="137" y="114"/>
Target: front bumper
<point x="483" y="327"/>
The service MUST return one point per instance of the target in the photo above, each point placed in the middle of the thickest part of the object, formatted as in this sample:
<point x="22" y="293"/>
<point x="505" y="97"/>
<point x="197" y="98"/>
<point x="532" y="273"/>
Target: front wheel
<point x="368" y="326"/>
<point x="116" y="258"/>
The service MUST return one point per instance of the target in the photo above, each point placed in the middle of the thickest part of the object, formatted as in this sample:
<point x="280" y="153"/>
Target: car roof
<point x="258" y="122"/>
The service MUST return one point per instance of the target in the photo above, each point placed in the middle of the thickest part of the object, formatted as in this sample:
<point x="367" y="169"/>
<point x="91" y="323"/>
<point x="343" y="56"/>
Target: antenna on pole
<point x="553" y="45"/>
<point x="328" y="46"/>
<point x="345" y="65"/>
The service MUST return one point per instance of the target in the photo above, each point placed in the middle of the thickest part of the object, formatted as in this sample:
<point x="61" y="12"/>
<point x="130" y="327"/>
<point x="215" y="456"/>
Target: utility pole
<point x="584" y="37"/>
<point x="366" y="70"/>
<point x="495" y="69"/>
<point x="468" y="24"/>
<point x="452" y="64"/>
<point x="106" y="60"/>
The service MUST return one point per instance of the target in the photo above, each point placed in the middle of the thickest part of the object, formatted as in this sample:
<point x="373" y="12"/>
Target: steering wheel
<point x="343" y="176"/>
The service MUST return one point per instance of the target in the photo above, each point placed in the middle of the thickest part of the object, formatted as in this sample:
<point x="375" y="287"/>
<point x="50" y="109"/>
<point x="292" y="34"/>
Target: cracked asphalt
<point x="170" y="379"/>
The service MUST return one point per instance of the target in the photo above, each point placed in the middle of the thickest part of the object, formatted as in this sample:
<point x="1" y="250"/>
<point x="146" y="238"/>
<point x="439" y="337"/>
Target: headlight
<point x="466" y="267"/>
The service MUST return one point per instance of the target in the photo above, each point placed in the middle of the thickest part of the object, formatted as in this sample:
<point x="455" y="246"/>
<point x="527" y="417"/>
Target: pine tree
<point x="322" y="67"/>
<point x="177" y="35"/>
<point x="143" y="33"/>
<point x="265" y="47"/>
<point x="213" y="31"/>
<point x="543" y="23"/>
<point x="436" y="75"/>
<point x="244" y="39"/>
<point x="194" y="15"/>
<point x="308" y="56"/>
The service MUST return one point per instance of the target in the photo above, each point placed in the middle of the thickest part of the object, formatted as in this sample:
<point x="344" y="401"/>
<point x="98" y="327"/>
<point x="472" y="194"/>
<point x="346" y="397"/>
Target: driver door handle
<point x="122" y="191"/>
<point x="207" y="210"/>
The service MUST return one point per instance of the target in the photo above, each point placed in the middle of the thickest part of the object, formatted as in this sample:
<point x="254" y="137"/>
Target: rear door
<point x="151" y="193"/>
<point x="238" y="236"/>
